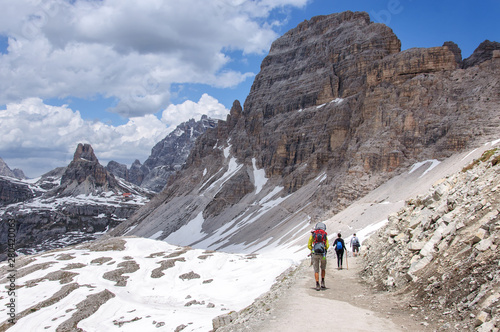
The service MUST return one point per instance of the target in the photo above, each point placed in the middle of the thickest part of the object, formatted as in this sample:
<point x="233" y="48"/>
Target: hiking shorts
<point x="355" y="248"/>
<point x="317" y="261"/>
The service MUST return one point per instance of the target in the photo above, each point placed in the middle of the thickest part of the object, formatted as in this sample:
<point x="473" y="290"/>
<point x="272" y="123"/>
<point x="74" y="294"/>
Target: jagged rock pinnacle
<point x="86" y="152"/>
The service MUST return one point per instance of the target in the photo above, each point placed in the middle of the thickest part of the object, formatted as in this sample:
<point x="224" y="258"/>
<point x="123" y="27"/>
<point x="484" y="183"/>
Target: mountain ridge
<point x="378" y="127"/>
<point x="167" y="156"/>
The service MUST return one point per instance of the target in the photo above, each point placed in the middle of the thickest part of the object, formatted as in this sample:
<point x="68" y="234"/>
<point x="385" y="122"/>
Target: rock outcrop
<point x="335" y="102"/>
<point x="85" y="174"/>
<point x="6" y="171"/>
<point x="484" y="52"/>
<point x="441" y="250"/>
<point x="13" y="191"/>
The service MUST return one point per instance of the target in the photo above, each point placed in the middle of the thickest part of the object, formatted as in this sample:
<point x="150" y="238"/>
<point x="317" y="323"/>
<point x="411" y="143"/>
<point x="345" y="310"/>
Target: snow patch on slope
<point x="433" y="164"/>
<point x="259" y="177"/>
<point x="189" y="233"/>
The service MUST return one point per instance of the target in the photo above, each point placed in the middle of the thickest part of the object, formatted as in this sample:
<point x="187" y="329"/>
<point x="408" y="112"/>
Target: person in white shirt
<point x="355" y="245"/>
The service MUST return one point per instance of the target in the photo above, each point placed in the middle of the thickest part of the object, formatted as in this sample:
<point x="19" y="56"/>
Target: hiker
<point x="339" y="246"/>
<point x="318" y="244"/>
<point x="355" y="245"/>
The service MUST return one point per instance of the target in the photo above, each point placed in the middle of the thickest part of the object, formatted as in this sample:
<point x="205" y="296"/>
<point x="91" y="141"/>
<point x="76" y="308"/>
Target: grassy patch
<point x="484" y="157"/>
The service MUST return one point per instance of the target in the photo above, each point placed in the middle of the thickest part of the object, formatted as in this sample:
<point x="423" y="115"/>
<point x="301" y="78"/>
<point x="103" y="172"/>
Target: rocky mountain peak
<point x="485" y="51"/>
<point x="319" y="60"/>
<point x="85" y="174"/>
<point x="455" y="49"/>
<point x="85" y="152"/>
<point x="6" y="171"/>
<point x="11" y="190"/>
<point x="167" y="157"/>
<point x="234" y="114"/>
<point x="67" y="205"/>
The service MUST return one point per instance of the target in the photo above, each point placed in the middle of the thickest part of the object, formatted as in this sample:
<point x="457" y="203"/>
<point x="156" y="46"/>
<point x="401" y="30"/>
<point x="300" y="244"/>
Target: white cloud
<point x="176" y="114"/>
<point x="37" y="137"/>
<point x="130" y="50"/>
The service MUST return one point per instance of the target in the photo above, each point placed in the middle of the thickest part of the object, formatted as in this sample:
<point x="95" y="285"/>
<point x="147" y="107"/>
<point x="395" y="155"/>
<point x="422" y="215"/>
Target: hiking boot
<point x="317" y="286"/>
<point x="323" y="284"/>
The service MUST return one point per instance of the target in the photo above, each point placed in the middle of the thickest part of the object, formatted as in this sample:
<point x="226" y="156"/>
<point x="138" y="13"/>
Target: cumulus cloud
<point x="175" y="114"/>
<point x="129" y="50"/>
<point x="37" y="137"/>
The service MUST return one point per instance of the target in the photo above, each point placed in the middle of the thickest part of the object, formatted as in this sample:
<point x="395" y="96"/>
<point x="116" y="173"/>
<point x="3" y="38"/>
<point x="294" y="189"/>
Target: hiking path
<point x="346" y="304"/>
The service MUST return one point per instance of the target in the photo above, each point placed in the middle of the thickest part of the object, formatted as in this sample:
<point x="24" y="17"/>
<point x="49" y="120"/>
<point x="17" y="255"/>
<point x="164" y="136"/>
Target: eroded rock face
<point x="318" y="61"/>
<point x="337" y="100"/>
<point x="13" y="192"/>
<point x="169" y="155"/>
<point x="484" y="52"/>
<point x="119" y="170"/>
<point x="85" y="174"/>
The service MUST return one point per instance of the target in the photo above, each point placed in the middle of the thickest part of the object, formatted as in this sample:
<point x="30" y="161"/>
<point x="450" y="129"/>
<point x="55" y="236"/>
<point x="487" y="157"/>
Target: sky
<point x="121" y="75"/>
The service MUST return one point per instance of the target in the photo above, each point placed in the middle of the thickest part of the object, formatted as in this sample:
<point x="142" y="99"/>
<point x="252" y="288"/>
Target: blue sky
<point x="120" y="75"/>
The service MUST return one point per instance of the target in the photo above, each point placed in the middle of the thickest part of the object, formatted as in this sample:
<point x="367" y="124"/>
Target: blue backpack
<point x="339" y="245"/>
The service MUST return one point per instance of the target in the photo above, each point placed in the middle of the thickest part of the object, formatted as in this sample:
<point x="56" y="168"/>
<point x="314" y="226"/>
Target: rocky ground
<point x="442" y="249"/>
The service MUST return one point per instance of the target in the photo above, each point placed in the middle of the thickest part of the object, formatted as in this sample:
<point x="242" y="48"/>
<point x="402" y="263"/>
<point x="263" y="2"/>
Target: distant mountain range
<point x="167" y="156"/>
<point x="79" y="202"/>
<point x="67" y="205"/>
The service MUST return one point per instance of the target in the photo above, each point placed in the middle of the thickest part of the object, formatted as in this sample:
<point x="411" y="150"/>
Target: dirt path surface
<point x="346" y="304"/>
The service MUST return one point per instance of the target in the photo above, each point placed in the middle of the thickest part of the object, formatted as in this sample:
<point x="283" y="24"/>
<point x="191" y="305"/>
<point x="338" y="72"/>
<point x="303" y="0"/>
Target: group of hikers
<point x="318" y="245"/>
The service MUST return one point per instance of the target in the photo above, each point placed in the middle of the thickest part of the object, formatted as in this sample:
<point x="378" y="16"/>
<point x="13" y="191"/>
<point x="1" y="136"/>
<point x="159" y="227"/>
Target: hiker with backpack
<point x="318" y="244"/>
<point x="339" y="246"/>
<point x="355" y="245"/>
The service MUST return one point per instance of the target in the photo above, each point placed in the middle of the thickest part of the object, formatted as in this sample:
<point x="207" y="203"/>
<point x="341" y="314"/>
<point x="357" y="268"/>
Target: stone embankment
<point x="441" y="251"/>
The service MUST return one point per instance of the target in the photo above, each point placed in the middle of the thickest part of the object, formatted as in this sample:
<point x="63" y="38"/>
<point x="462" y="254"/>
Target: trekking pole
<point x="346" y="264"/>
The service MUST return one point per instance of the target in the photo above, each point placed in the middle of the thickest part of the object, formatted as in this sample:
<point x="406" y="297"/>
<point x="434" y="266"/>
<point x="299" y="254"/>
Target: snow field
<point x="226" y="282"/>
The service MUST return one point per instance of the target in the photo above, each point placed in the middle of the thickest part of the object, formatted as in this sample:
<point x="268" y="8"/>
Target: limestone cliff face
<point x="336" y="92"/>
<point x="318" y="61"/>
<point x="13" y="192"/>
<point x="336" y="101"/>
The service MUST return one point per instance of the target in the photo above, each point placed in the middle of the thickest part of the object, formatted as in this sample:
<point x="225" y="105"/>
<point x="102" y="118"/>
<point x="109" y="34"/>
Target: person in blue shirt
<point x="339" y="246"/>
